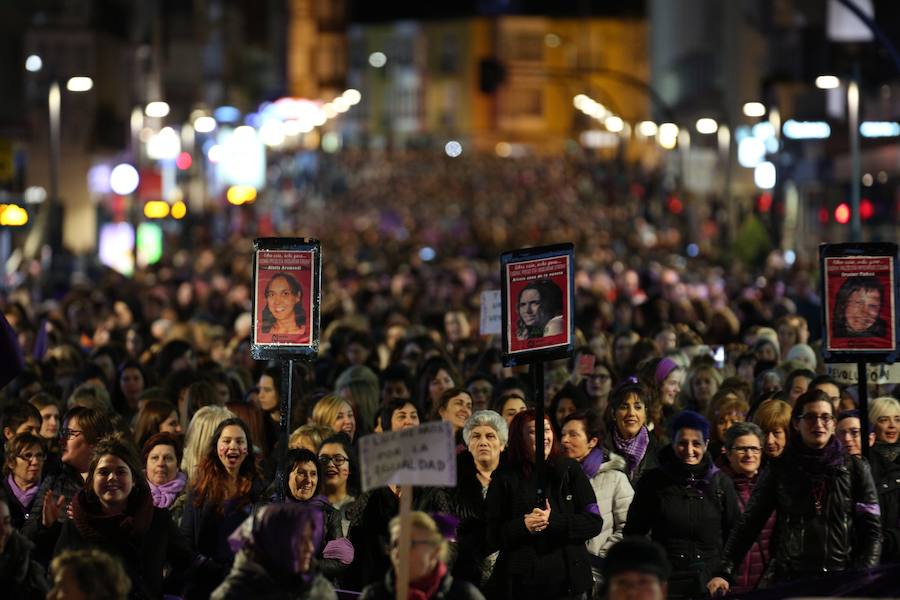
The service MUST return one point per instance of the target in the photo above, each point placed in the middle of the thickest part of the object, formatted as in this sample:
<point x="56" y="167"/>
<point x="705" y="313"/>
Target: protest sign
<point x="491" y="312"/>
<point x="423" y="455"/>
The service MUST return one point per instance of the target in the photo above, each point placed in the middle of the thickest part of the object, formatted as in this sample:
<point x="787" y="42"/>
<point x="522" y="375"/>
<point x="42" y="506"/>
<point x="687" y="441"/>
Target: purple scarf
<point x="25" y="497"/>
<point x="164" y="495"/>
<point x="634" y="449"/>
<point x="591" y="464"/>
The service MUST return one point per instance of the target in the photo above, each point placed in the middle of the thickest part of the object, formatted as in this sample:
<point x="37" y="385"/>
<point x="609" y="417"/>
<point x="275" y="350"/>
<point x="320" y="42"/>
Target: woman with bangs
<point x="226" y="487"/>
<point x="774" y="418"/>
<point x="626" y="420"/>
<point x="539" y="521"/>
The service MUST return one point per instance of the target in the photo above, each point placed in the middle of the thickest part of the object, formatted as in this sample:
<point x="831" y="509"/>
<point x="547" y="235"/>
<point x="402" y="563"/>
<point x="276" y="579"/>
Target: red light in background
<point x="184" y="161"/>
<point x="764" y="202"/>
<point x="823" y="215"/>
<point x="675" y="205"/>
<point x="866" y="209"/>
<point x="842" y="213"/>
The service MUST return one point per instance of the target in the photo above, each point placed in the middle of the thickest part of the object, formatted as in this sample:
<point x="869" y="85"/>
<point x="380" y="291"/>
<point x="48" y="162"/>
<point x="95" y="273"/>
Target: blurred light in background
<point x="552" y="40"/>
<point x="453" y="148"/>
<point x="156" y="209"/>
<point x="165" y="145"/>
<point x="204" y="124"/>
<point x="764" y="175"/>
<point x="35" y="195"/>
<point x="868" y="180"/>
<point x="754" y="109"/>
<point x="876" y="129"/>
<point x="827" y="82"/>
<point x="117" y="247"/>
<point x="693" y="250"/>
<point x="124" y="179"/>
<point x="243" y="158"/>
<point x="599" y="139"/>
<point x="806" y="130"/>
<point x="227" y="114"/>
<point x="750" y="152"/>
<point x="427" y="254"/>
<point x="272" y="132"/>
<point x="184" y="161"/>
<point x="377" y="59"/>
<point x="790" y="257"/>
<point x="98" y="179"/>
<point x="214" y="154"/>
<point x="240" y="194"/>
<point x="614" y="124"/>
<point x="79" y="84"/>
<point x="33" y="63"/>
<point x="149" y="244"/>
<point x="352" y="96"/>
<point x="331" y="142"/>
<point x="647" y="128"/>
<point x="668" y="135"/>
<point x="842" y="213"/>
<point x="503" y="149"/>
<point x="706" y="125"/>
<point x="157" y="109"/>
<point x="13" y="215"/>
<point x="178" y="210"/>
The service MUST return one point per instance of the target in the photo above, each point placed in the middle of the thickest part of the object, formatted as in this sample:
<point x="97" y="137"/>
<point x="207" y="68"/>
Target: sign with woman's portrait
<point x="286" y="284"/>
<point x="859" y="300"/>
<point x="537" y="300"/>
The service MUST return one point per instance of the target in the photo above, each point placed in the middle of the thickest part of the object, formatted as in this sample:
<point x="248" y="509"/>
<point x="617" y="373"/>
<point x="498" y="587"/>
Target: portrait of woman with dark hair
<point x="540" y="310"/>
<point x="283" y="316"/>
<point x="857" y="309"/>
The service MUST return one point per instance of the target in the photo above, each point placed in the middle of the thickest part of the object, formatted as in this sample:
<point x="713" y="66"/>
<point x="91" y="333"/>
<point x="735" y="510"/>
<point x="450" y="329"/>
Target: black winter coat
<point x="369" y="518"/>
<point x="144" y="554"/>
<point x="827" y="514"/>
<point x="649" y="461"/>
<point x="886" y="474"/>
<point x="469" y="506"/>
<point x="450" y="589"/>
<point x="18" y="514"/>
<point x="689" y="510"/>
<point x="65" y="481"/>
<point x="250" y="579"/>
<point x="552" y="563"/>
<point x="21" y="578"/>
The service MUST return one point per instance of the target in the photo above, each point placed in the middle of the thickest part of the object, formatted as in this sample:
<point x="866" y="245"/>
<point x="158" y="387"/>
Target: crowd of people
<point x="694" y="443"/>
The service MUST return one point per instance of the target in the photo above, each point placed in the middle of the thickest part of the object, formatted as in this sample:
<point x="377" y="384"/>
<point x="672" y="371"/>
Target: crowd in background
<point x="137" y="425"/>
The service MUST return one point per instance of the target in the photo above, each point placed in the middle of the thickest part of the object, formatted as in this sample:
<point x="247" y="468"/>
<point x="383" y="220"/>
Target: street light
<point x="79" y="84"/>
<point x="827" y="82"/>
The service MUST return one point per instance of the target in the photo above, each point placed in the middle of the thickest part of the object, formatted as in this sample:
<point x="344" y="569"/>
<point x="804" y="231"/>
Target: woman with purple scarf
<point x="827" y="516"/>
<point x="687" y="505"/>
<point x="22" y="472"/>
<point x="274" y="556"/>
<point x="626" y="419"/>
<point x="582" y="433"/>
<point x="162" y="455"/>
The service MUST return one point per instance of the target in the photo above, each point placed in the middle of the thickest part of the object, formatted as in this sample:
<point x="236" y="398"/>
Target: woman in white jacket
<point x="582" y="434"/>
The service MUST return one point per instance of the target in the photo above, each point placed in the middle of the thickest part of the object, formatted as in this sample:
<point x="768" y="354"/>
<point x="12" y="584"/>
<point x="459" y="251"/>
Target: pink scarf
<point x="164" y="495"/>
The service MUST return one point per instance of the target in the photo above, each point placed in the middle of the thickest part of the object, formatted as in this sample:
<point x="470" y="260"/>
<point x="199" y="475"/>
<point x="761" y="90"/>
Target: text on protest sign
<point x="423" y="455"/>
<point x="491" y="313"/>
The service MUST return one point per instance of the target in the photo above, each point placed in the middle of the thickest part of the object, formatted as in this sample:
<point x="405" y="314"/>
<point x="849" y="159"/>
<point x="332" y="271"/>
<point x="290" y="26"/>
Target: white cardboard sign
<point x="491" y="313"/>
<point x="875" y="373"/>
<point x="423" y="455"/>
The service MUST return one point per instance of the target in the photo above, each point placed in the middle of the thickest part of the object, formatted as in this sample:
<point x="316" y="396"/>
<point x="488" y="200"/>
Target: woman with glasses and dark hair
<point x="626" y="420"/>
<point x="225" y="488"/>
<point x="283" y="317"/>
<point x="539" y="520"/>
<point x="857" y="309"/>
<point x="826" y="506"/>
<point x="22" y="471"/>
<point x="339" y="476"/>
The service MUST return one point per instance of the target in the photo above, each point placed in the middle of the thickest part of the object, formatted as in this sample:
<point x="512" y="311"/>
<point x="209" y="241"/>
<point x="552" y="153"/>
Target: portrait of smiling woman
<point x="857" y="309"/>
<point x="283" y="314"/>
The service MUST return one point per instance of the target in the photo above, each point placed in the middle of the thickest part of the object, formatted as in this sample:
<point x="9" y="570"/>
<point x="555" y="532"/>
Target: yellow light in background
<point x="667" y="135"/>
<point x="503" y="149"/>
<point x="179" y="209"/>
<point x="13" y="215"/>
<point x="241" y="194"/>
<point x="614" y="124"/>
<point x="647" y="128"/>
<point x="156" y="209"/>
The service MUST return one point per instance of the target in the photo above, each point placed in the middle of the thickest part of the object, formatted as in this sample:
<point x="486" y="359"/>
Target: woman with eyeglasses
<point x="687" y="505"/>
<point x="743" y="443"/>
<point x="827" y="511"/>
<point x="884" y="417"/>
<point x="338" y="476"/>
<point x="303" y="485"/>
<point x="22" y="471"/>
<point x="626" y="420"/>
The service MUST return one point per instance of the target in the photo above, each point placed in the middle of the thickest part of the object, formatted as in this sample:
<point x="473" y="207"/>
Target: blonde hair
<point x="882" y="406"/>
<point x="772" y="414"/>
<point x="311" y="431"/>
<point x="426" y="525"/>
<point x="326" y="411"/>
<point x="199" y="434"/>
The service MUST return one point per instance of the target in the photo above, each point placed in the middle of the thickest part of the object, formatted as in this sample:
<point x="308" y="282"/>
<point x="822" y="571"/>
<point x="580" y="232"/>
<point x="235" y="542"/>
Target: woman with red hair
<point x="539" y="520"/>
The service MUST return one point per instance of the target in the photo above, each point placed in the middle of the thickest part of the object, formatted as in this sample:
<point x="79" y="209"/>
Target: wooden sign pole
<point x="406" y="492"/>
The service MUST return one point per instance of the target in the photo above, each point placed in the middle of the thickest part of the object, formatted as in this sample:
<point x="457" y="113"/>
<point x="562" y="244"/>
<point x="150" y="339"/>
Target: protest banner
<point x="491" y="313"/>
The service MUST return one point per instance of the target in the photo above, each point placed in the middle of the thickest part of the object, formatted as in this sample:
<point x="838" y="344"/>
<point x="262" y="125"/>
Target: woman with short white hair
<point x="884" y="418"/>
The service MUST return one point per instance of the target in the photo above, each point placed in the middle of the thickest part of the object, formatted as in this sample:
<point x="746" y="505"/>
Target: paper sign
<point x="423" y="455"/>
<point x="491" y="312"/>
<point x="875" y="373"/>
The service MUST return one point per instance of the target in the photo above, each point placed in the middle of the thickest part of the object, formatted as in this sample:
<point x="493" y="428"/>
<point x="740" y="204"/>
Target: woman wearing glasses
<point x="826" y="507"/>
<point x="303" y="485"/>
<point x="338" y="476"/>
<point x="25" y="455"/>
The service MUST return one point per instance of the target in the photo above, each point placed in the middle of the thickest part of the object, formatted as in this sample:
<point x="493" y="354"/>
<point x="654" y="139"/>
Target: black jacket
<point x="886" y="474"/>
<point x="250" y="579"/>
<point x="18" y="514"/>
<point x="827" y="514"/>
<point x="21" y="578"/>
<point x="369" y="518"/>
<point x="649" y="461"/>
<point x="554" y="562"/>
<point x="66" y="481"/>
<point x="689" y="510"/>
<point x="450" y="589"/>
<point x="469" y="506"/>
<point x="153" y="543"/>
